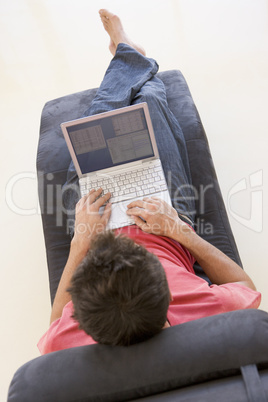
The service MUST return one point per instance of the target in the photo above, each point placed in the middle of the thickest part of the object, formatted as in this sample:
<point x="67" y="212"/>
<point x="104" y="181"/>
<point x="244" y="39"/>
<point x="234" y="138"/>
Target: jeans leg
<point x="171" y="145"/>
<point x="128" y="71"/>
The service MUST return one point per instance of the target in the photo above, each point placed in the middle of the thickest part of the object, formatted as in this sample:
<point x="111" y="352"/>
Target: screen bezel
<point x="66" y="125"/>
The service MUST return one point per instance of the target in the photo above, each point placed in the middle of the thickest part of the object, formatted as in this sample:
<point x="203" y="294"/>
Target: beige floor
<point x="51" y="48"/>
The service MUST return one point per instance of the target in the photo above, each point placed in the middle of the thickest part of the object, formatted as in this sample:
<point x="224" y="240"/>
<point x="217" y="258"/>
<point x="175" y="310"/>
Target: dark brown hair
<point x="120" y="292"/>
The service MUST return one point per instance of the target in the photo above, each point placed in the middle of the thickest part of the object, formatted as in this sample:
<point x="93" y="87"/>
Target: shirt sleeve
<point x="235" y="296"/>
<point x="64" y="333"/>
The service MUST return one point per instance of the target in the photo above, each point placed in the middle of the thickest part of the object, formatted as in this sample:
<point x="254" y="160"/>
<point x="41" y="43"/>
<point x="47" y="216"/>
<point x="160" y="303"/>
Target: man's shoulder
<point x="64" y="333"/>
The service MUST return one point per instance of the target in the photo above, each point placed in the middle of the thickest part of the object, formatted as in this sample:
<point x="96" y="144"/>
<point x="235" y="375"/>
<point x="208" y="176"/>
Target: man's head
<point x="120" y="292"/>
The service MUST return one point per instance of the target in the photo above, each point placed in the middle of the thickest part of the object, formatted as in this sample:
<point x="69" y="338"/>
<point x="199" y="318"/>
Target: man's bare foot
<point x="114" y="27"/>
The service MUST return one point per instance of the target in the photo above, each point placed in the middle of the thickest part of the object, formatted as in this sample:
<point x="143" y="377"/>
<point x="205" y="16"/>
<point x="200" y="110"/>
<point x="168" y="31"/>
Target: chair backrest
<point x="203" y="350"/>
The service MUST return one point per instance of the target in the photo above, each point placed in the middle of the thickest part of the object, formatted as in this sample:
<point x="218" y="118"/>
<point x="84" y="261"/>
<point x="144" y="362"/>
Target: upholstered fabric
<point x="187" y="354"/>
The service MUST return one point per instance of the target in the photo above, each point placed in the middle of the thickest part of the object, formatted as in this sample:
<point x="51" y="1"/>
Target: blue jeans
<point x="129" y="79"/>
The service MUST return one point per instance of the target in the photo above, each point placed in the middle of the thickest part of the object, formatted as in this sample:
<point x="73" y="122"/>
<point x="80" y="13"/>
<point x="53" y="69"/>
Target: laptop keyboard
<point x="138" y="182"/>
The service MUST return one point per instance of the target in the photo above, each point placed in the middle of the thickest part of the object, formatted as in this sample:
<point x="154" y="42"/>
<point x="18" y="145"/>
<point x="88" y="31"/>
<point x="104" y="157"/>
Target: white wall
<point x="50" y="48"/>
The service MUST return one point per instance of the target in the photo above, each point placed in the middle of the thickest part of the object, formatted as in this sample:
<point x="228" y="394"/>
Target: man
<point x="121" y="288"/>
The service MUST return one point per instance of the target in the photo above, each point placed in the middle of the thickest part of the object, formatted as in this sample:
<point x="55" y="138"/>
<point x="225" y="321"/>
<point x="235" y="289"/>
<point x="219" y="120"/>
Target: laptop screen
<point x="111" y="141"/>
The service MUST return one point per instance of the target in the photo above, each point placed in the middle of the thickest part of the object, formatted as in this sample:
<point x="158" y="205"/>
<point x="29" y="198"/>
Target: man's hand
<point x="88" y="220"/>
<point x="156" y="216"/>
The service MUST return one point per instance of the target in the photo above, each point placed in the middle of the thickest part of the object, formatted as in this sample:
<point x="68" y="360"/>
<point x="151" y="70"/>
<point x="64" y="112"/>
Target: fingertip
<point x="107" y="206"/>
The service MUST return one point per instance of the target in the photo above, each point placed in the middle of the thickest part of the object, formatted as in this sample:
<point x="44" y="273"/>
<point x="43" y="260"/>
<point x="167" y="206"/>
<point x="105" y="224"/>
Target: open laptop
<point x="117" y="151"/>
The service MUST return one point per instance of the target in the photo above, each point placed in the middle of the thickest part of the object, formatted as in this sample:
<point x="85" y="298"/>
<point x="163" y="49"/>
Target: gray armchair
<point x="223" y="357"/>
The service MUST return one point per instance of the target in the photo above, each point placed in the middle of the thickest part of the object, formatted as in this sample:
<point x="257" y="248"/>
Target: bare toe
<point x="105" y="13"/>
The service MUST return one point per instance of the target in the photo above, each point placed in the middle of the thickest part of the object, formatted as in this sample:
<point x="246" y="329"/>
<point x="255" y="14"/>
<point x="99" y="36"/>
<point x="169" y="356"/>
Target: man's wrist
<point x="79" y="248"/>
<point x="180" y="232"/>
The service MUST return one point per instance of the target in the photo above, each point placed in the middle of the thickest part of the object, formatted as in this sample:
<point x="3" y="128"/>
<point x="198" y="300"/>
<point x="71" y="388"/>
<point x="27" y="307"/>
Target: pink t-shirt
<point x="193" y="298"/>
